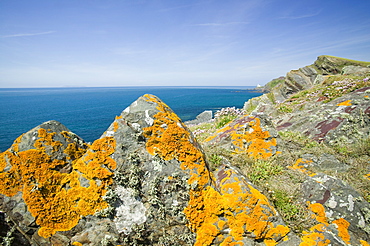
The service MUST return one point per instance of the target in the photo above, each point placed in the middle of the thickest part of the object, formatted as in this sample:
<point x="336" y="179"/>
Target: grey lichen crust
<point x="130" y="211"/>
<point x="340" y="201"/>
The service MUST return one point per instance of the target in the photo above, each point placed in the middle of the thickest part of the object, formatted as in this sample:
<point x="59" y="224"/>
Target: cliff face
<point x="308" y="76"/>
<point x="148" y="181"/>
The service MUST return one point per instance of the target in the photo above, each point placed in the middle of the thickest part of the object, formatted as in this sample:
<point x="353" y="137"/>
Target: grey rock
<point x="355" y="70"/>
<point x="203" y="117"/>
<point x="340" y="201"/>
<point x="329" y="122"/>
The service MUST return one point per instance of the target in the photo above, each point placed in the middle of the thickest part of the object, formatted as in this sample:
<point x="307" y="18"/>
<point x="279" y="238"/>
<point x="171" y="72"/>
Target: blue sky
<point x="49" y="43"/>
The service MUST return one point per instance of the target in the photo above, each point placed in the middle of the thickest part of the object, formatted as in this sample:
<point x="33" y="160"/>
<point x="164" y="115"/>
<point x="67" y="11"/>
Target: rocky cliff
<point x="150" y="180"/>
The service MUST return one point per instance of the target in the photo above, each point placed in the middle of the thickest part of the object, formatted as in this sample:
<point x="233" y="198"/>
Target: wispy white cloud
<point x="179" y="7"/>
<point x="295" y="17"/>
<point x="26" y="34"/>
<point x="222" y="24"/>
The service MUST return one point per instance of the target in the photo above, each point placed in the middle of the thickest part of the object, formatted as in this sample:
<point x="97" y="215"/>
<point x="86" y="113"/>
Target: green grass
<point x="349" y="61"/>
<point x="223" y="120"/>
<point x="261" y="171"/>
<point x="250" y="107"/>
<point x="274" y="83"/>
<point x="284" y="109"/>
<point x="271" y="97"/>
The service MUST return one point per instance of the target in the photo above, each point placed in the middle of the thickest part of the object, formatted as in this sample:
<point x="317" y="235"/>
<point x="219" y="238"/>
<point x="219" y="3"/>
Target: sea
<point x="88" y="111"/>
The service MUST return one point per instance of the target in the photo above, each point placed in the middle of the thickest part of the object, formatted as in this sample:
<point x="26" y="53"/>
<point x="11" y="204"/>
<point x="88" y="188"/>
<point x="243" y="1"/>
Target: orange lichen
<point x="343" y="229"/>
<point x="300" y="166"/>
<point x="364" y="243"/>
<point x="97" y="158"/>
<point x="175" y="142"/>
<point x="209" y="211"/>
<point x="256" y="142"/>
<point x="77" y="244"/>
<point x="345" y="103"/>
<point x="258" y="146"/>
<point x="319" y="210"/>
<point x="115" y="126"/>
<point x="316" y="236"/>
<point x="46" y="140"/>
<point x="367" y="176"/>
<point x="56" y="199"/>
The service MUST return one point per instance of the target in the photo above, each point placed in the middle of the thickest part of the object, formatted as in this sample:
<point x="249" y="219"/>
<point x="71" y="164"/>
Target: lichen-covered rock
<point x="250" y="218"/>
<point x="342" y="214"/>
<point x="37" y="180"/>
<point x="341" y="204"/>
<point x="252" y="134"/>
<point x="325" y="162"/>
<point x="343" y="119"/>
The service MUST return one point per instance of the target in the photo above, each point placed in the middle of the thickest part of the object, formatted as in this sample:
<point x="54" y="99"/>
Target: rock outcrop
<point x="319" y="101"/>
<point x="306" y="77"/>
<point x="343" y="119"/>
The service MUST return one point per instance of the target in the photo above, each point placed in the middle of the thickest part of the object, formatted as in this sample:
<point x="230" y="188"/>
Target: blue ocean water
<point x="89" y="111"/>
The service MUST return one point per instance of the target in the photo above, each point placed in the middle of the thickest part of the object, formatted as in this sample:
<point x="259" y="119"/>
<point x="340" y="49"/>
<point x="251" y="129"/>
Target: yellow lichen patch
<point x="316" y="236"/>
<point x="210" y="211"/>
<point x="256" y="142"/>
<point x="73" y="151"/>
<point x="115" y="126"/>
<point x="343" y="229"/>
<point x="97" y="158"/>
<point x="319" y="210"/>
<point x="364" y="243"/>
<point x="345" y="103"/>
<point x="46" y="140"/>
<point x="174" y="141"/>
<point x="367" y="176"/>
<point x="77" y="244"/>
<point x="56" y="199"/>
<point x="300" y="166"/>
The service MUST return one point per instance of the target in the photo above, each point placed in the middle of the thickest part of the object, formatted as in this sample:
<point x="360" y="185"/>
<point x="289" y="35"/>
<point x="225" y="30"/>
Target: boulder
<point x="342" y="215"/>
<point x="343" y="210"/>
<point x="203" y="117"/>
<point x="34" y="173"/>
